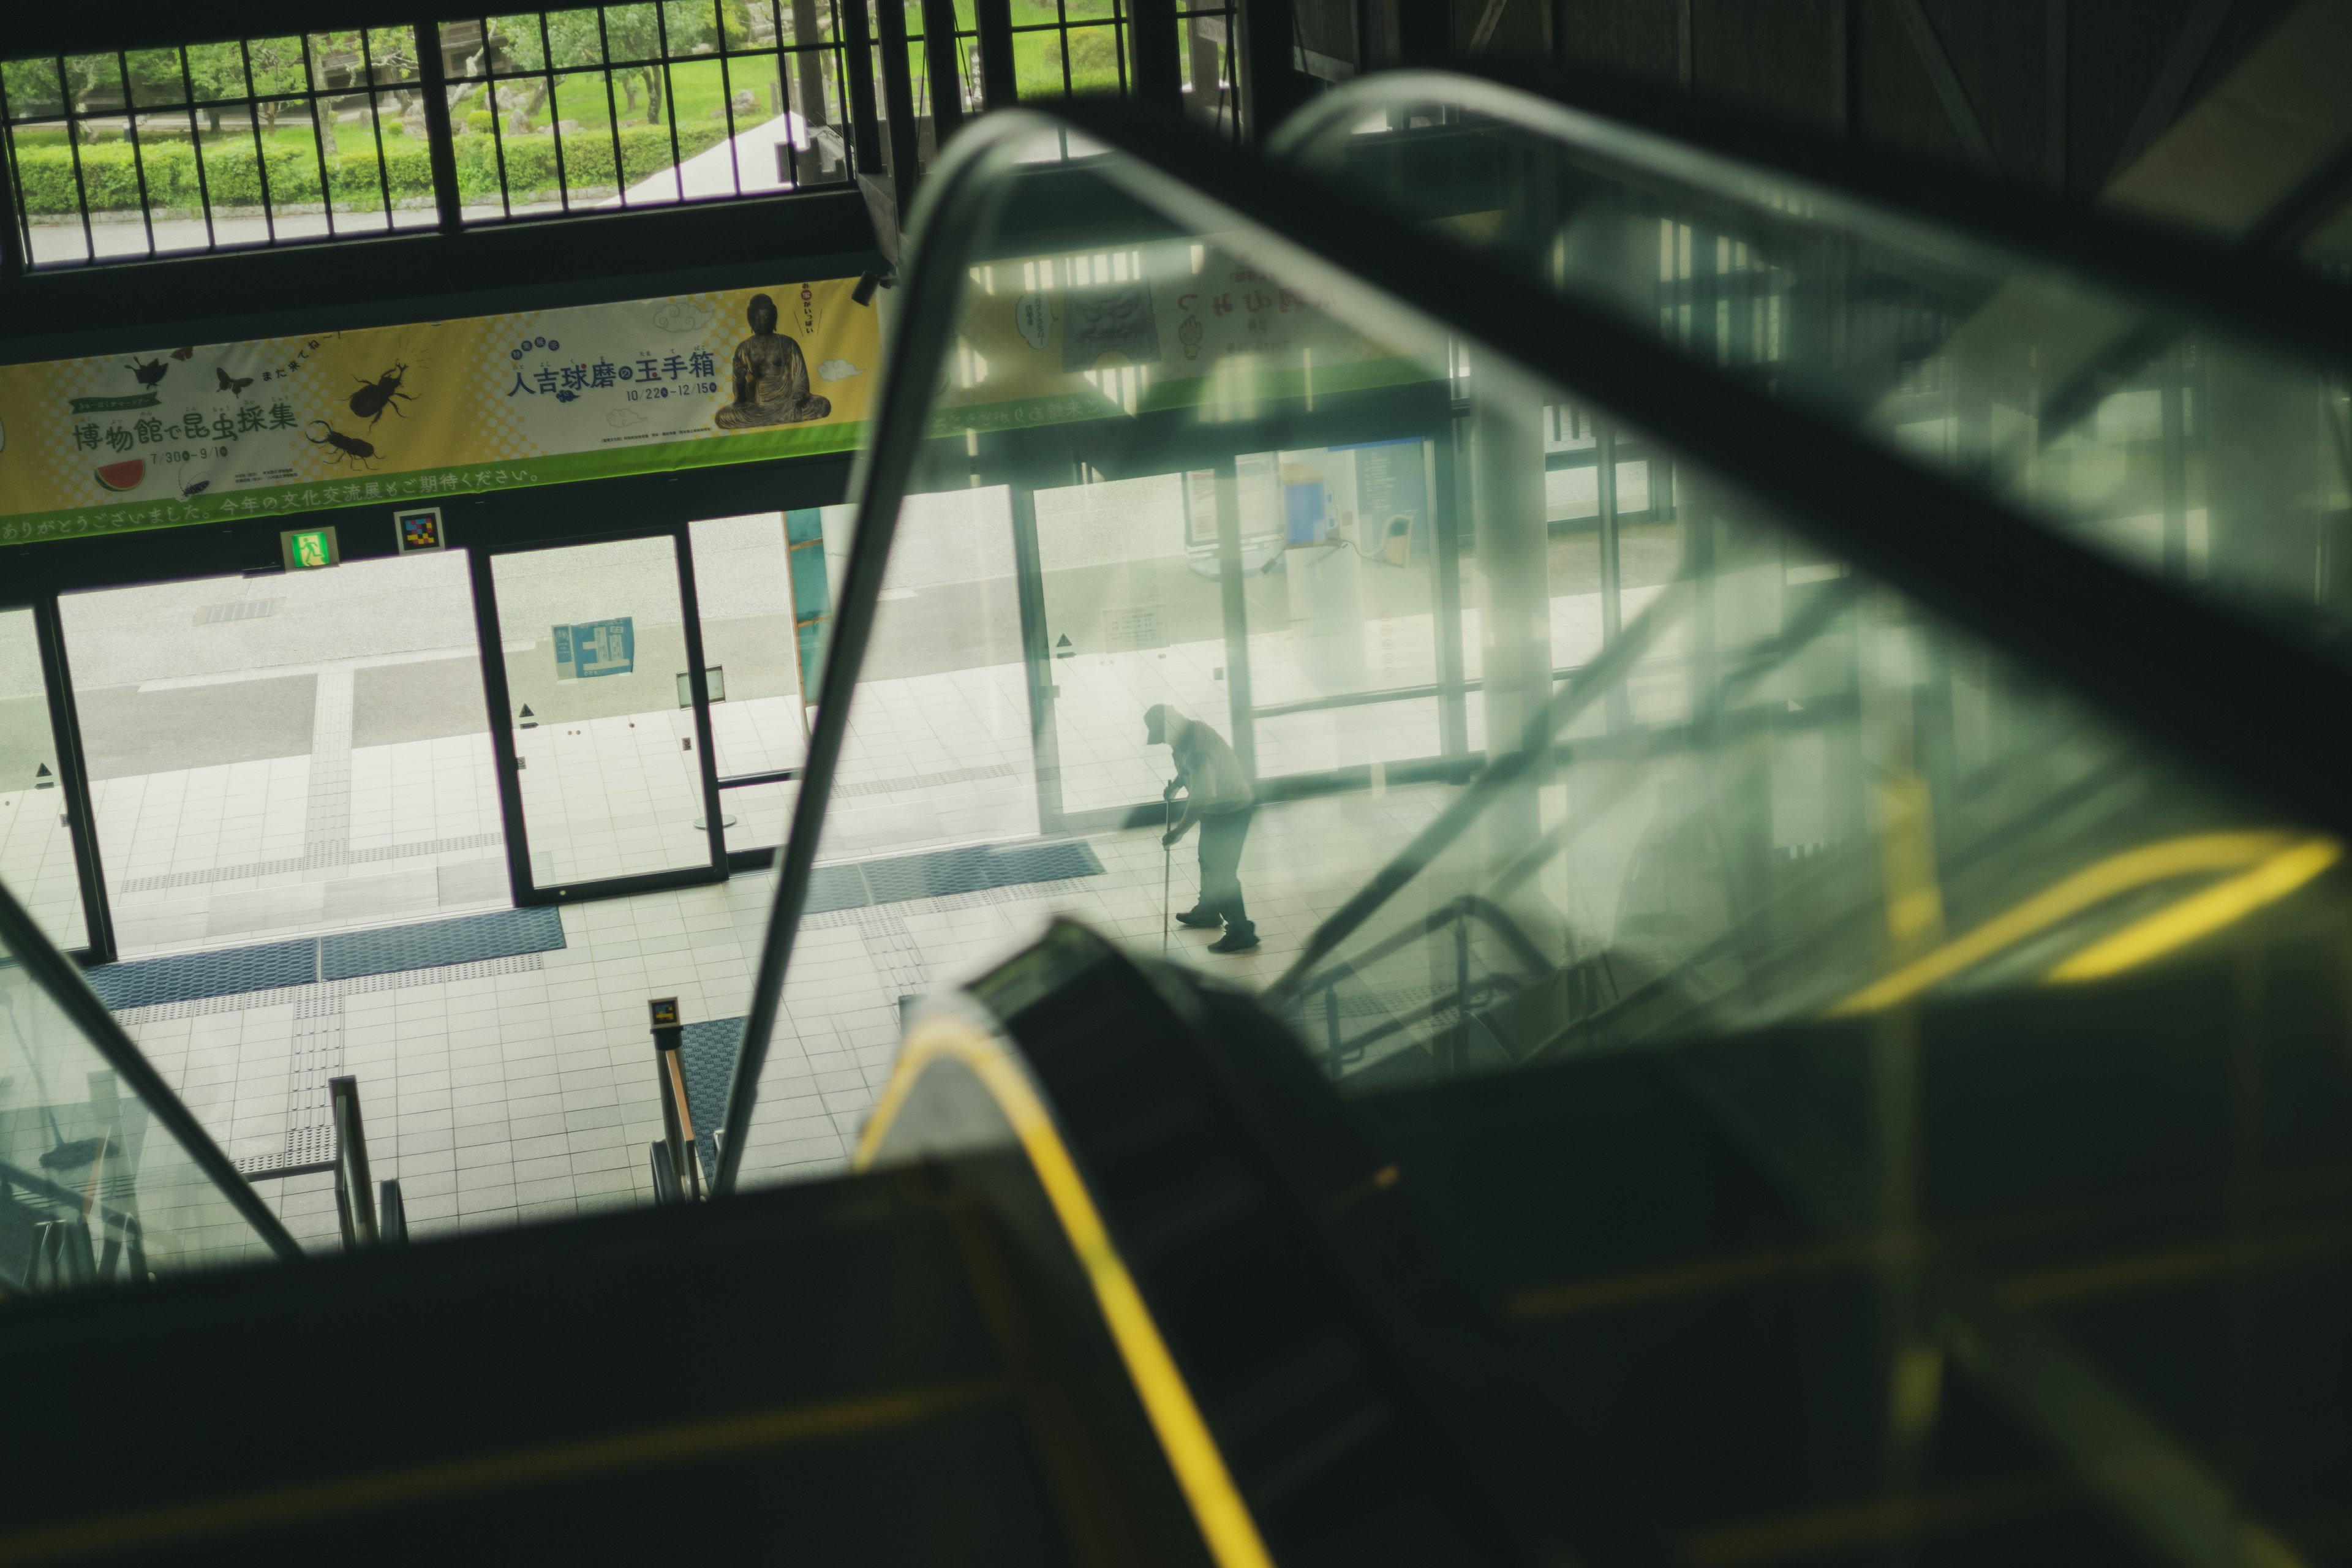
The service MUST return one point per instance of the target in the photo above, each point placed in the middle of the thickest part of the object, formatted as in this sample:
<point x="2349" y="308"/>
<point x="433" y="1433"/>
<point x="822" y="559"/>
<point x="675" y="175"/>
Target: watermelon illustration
<point x="124" y="475"/>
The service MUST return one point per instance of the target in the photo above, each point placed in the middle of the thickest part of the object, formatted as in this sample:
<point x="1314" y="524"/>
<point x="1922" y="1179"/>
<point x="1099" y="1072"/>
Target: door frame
<point x="505" y="758"/>
<point x="77" y="805"/>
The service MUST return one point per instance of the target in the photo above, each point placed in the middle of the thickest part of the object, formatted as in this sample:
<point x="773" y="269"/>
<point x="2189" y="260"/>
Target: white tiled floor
<point x="523" y="1088"/>
<point x="502" y="1098"/>
<point x="839" y="1028"/>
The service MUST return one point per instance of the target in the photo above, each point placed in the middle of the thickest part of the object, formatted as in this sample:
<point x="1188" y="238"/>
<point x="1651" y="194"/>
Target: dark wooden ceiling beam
<point x="67" y="312"/>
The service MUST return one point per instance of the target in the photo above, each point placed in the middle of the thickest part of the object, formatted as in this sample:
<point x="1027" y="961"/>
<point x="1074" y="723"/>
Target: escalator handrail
<point x="2195" y="674"/>
<point x="1455" y="913"/>
<point x="64" y="986"/>
<point x="2286" y="305"/>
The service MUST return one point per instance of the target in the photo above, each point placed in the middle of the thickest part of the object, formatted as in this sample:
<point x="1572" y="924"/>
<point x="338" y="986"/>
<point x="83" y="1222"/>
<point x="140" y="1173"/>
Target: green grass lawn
<point x="696" y="105"/>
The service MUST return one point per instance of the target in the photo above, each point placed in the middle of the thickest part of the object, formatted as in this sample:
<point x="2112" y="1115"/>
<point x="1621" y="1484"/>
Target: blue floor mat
<point x="707" y="1056"/>
<point x="468" y="940"/>
<point x="943" y="872"/>
<point x="190" y="976"/>
<point x="193" y="976"/>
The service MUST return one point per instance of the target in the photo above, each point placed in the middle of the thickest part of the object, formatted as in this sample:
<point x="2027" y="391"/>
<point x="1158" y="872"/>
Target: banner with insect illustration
<point x="284" y="426"/>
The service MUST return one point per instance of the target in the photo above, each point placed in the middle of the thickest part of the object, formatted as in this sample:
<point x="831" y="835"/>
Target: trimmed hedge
<point x="46" y="175"/>
<point x="587" y="158"/>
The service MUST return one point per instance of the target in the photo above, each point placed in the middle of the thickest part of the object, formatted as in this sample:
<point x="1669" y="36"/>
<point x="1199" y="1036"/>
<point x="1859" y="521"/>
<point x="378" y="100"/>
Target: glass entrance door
<point x="44" y="861"/>
<point x="607" y="781"/>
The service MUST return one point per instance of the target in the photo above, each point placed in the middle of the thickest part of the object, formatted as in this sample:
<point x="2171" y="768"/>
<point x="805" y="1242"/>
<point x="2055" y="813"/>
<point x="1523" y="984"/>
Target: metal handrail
<point x="354" y="1191"/>
<point x="2225" y="690"/>
<point x="1458" y="910"/>
<point x="64" y="985"/>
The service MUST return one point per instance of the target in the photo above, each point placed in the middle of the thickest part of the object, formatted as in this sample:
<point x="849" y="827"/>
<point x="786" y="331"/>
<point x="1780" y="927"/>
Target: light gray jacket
<point x="1209" y="772"/>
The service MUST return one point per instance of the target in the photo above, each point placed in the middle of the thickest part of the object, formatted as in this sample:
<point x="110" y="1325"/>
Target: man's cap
<point x="1155" y="724"/>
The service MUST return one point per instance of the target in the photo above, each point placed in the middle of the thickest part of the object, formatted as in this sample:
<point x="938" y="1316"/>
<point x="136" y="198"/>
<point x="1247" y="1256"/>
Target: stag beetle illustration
<point x="151" y="374"/>
<point x="349" y="448"/>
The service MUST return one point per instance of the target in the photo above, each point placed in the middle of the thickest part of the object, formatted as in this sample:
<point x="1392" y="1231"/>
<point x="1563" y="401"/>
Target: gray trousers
<point x="1221" y="867"/>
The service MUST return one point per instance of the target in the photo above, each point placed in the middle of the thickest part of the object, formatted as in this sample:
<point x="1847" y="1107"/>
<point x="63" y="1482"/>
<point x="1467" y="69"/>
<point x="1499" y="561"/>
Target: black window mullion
<point x="73" y="146"/>
<point x="310" y="75"/>
<point x="555" y="113"/>
<point x="788" y="76"/>
<point x="138" y="160"/>
<point x="196" y="146"/>
<point x="260" y="155"/>
<point x="375" y="121"/>
<point x="727" y="102"/>
<point x="1229" y="98"/>
<point x="497" y="131"/>
<point x="1062" y="36"/>
<point x="865" y="120"/>
<point x="1119" y="44"/>
<point x="670" y="98"/>
<point x="612" y="113"/>
<point x="918" y="48"/>
<point x="848" y="120"/>
<point x="17" y="257"/>
<point x="999" y="81"/>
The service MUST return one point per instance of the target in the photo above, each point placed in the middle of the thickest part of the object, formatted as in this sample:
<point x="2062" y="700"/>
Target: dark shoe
<point x="1240" y="940"/>
<point x="1201" y="919"/>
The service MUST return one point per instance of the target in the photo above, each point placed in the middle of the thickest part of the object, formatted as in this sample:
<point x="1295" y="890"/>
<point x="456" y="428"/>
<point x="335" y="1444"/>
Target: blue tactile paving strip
<point x="835" y="888"/>
<point x="468" y="940"/>
<point x="945" y="872"/>
<point x="192" y="976"/>
<point x="707" y="1055"/>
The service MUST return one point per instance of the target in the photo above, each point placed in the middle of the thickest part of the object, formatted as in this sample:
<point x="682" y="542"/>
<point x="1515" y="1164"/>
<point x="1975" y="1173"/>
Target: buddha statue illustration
<point x="771" y="378"/>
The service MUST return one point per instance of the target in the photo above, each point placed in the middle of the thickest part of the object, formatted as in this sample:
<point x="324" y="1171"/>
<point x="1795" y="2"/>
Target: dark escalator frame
<point x="2228" y="693"/>
<point x="1320" y="1395"/>
<point x="874" y="1369"/>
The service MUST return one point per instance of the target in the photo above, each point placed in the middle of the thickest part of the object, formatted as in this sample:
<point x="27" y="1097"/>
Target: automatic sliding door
<point x="610" y="777"/>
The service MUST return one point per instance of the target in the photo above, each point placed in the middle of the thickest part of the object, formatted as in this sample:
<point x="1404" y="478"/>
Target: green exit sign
<point x="309" y="549"/>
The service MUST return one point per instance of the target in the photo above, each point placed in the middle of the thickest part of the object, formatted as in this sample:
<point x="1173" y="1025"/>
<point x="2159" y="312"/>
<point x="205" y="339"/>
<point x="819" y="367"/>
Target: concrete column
<point x="1514" y="597"/>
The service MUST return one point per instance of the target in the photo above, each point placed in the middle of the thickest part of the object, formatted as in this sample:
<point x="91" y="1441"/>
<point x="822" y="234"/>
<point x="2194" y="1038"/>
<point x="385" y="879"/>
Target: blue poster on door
<point x="595" y="647"/>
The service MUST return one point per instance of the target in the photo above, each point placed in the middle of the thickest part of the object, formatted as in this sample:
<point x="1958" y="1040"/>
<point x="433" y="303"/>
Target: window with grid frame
<point x="245" y="142"/>
<point x="625" y="106"/>
<point x="1063" y="48"/>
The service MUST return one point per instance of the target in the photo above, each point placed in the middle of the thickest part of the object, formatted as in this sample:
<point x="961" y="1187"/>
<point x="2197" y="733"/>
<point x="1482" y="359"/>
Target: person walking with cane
<point x="1219" y="801"/>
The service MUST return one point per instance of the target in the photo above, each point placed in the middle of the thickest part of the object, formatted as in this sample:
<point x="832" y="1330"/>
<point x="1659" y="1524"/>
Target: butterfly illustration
<point x="228" y="383"/>
<point x="182" y="353"/>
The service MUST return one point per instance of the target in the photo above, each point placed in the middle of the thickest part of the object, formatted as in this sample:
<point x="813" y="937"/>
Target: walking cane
<point x="1167" y="858"/>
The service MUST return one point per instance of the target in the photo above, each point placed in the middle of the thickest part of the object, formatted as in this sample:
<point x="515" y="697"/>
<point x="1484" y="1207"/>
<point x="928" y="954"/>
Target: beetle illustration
<point x="151" y="374"/>
<point x="195" y="489"/>
<point x="349" y="448"/>
<point x="375" y="396"/>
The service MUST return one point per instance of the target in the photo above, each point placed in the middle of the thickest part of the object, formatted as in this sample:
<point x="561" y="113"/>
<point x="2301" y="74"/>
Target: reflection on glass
<point x="743" y="588"/>
<point x="94" y="1189"/>
<point x="2179" y="445"/>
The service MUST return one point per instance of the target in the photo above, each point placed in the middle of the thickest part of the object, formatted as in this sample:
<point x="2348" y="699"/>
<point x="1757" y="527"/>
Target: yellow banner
<point x="284" y="425"/>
